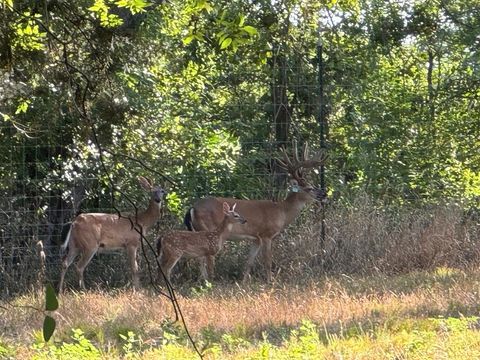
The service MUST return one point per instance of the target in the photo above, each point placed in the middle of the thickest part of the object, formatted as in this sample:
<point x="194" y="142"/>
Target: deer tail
<point x="67" y="240"/>
<point x="188" y="219"/>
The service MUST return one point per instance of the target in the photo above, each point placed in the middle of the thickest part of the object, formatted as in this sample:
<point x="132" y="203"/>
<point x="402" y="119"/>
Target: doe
<point x="96" y="232"/>
<point x="175" y="244"/>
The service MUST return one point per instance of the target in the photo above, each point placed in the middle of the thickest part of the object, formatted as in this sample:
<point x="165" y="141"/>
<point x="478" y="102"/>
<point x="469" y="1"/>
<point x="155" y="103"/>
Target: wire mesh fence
<point x="47" y="179"/>
<point x="49" y="175"/>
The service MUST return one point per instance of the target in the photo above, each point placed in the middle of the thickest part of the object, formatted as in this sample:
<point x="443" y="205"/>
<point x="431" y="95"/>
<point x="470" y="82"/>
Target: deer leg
<point x="210" y="267"/>
<point x="202" y="263"/>
<point x="66" y="262"/>
<point x="167" y="262"/>
<point x="267" y="258"/>
<point x="85" y="258"/>
<point x="132" y="259"/>
<point x="251" y="258"/>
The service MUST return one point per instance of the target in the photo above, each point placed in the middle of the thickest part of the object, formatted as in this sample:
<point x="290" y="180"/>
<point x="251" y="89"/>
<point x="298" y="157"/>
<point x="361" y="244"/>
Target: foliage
<point x="418" y="315"/>
<point x="6" y="352"/>
<point x="426" y="339"/>
<point x="178" y="85"/>
<point x="132" y="344"/>
<point x="80" y="348"/>
<point x="202" y="289"/>
<point x="200" y="94"/>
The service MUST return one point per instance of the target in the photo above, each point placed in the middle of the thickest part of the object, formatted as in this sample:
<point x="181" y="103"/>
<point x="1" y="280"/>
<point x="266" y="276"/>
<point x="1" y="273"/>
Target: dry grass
<point x="334" y="303"/>
<point x="367" y="238"/>
<point x="362" y="237"/>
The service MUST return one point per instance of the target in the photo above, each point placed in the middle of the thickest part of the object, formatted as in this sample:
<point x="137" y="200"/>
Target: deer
<point x="265" y="218"/>
<point x="178" y="243"/>
<point x="99" y="232"/>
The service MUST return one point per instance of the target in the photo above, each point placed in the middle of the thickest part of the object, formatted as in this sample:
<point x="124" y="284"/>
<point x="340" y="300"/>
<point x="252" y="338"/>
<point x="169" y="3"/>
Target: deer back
<point x="191" y="244"/>
<point x="264" y="217"/>
<point x="106" y="231"/>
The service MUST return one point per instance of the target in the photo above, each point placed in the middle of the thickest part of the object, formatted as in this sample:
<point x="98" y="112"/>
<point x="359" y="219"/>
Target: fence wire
<point x="46" y="182"/>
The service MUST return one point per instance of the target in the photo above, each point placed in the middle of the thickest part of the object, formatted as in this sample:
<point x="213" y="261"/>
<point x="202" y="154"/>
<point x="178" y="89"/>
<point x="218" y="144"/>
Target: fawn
<point x="175" y="244"/>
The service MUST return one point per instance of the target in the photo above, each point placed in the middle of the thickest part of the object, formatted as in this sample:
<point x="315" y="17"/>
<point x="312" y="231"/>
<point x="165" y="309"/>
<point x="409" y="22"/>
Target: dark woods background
<point x="95" y="93"/>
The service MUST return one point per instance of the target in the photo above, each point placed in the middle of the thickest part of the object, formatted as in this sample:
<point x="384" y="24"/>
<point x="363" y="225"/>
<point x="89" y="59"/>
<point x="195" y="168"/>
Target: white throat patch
<point x="294" y="188"/>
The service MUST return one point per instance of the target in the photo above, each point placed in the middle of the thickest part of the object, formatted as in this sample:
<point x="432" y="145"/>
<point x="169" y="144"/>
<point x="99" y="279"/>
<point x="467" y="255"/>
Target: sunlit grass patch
<point x="6" y="350"/>
<point x="434" y="338"/>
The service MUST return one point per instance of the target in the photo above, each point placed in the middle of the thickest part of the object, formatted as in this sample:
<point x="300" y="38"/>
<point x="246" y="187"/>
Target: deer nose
<point x="159" y="196"/>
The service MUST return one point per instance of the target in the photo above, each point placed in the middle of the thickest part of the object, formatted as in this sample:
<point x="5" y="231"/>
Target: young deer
<point x="97" y="232"/>
<point x="266" y="219"/>
<point x="176" y="244"/>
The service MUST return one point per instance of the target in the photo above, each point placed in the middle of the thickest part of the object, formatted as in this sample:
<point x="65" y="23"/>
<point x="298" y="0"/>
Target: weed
<point x="132" y="344"/>
<point x="202" y="289"/>
<point x="6" y="351"/>
<point x="80" y="348"/>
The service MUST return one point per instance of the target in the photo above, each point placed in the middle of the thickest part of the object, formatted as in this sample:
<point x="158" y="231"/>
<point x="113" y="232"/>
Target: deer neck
<point x="293" y="204"/>
<point x="148" y="217"/>
<point x="225" y="228"/>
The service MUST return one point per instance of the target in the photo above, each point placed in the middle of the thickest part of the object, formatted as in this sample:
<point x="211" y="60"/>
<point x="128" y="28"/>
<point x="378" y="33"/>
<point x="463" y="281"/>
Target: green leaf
<point x="98" y="6"/>
<point x="48" y="327"/>
<point x="22" y="107"/>
<point x="250" y="29"/>
<point x="208" y="8"/>
<point x="188" y="39"/>
<point x="6" y="117"/>
<point x="226" y="43"/>
<point x="51" y="303"/>
<point x="9" y="3"/>
<point x="241" y="20"/>
<point x="222" y="36"/>
<point x="135" y="6"/>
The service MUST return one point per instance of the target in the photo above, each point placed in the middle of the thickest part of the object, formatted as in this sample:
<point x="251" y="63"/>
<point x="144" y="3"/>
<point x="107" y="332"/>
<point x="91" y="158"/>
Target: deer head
<point x="230" y="211"/>
<point x="296" y="166"/>
<point x="157" y="192"/>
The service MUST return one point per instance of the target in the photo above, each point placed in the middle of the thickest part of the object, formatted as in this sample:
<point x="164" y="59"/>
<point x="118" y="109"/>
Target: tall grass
<point x="362" y="237"/>
<point x="365" y="238"/>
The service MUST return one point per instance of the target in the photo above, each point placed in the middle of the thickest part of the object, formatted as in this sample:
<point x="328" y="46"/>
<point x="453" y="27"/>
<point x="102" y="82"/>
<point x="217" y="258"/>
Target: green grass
<point x="439" y="338"/>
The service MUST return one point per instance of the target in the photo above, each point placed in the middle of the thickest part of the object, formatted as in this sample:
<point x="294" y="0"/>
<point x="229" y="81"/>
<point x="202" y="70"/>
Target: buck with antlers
<point x="265" y="218"/>
<point x="97" y="232"/>
<point x="176" y="244"/>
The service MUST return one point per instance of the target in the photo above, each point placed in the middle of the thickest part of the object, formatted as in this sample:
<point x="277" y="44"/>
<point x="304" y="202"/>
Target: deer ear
<point x="226" y="208"/>
<point x="144" y="183"/>
<point x="233" y="206"/>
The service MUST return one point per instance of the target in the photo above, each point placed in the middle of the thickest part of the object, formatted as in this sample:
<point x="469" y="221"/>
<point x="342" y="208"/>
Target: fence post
<point x="321" y="118"/>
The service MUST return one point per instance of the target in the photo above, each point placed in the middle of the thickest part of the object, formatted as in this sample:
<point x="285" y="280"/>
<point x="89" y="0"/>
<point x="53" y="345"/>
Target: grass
<point x="419" y="315"/>
<point x="386" y="284"/>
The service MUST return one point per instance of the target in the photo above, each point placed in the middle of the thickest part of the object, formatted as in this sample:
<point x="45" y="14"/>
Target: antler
<point x="146" y="183"/>
<point x="294" y="165"/>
